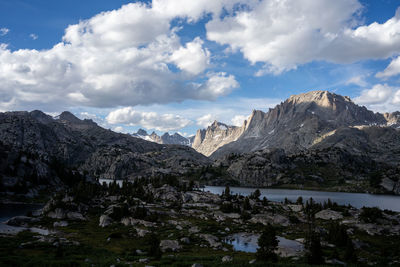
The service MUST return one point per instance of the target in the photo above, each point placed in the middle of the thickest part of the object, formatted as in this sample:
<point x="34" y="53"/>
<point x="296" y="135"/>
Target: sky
<point x="178" y="65"/>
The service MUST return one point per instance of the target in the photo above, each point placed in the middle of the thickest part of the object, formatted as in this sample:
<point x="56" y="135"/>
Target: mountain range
<point x="300" y="123"/>
<point x="166" y="138"/>
<point x="313" y="140"/>
<point x="37" y="150"/>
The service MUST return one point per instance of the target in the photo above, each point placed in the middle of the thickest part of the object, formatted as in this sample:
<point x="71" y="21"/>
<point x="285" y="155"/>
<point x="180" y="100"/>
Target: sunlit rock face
<point x="218" y="134"/>
<point x="303" y="121"/>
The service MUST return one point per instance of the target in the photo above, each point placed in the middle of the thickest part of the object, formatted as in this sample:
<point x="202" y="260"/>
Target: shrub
<point x="370" y="215"/>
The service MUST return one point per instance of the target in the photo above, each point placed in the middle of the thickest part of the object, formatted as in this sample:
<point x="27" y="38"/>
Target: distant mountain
<point x="38" y="150"/>
<point x="207" y="141"/>
<point x="302" y="121"/>
<point x="166" y="138"/>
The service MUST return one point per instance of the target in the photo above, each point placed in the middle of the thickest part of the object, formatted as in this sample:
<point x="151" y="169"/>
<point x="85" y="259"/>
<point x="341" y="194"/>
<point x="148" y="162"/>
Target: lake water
<point x="248" y="242"/>
<point x="8" y="211"/>
<point x="357" y="200"/>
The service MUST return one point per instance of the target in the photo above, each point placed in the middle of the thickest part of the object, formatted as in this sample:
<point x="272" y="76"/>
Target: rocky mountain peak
<point x="69" y="117"/>
<point x="216" y="135"/>
<point x="321" y="98"/>
<point x="142" y="132"/>
<point x="298" y="122"/>
<point x="41" y="116"/>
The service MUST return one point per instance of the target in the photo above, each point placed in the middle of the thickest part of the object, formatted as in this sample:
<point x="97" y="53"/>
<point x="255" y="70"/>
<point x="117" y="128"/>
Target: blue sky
<point x="176" y="65"/>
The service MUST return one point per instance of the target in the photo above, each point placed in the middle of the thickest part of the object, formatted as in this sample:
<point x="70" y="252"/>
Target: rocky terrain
<point x="303" y="120"/>
<point x="166" y="138"/>
<point x="167" y="223"/>
<point x="38" y="151"/>
<point x="207" y="141"/>
<point x="328" y="168"/>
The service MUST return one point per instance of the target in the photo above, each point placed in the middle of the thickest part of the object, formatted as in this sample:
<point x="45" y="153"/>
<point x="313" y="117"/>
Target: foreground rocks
<point x="180" y="221"/>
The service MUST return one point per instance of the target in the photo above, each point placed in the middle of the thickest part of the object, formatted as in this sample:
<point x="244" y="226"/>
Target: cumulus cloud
<point x="116" y="58"/>
<point x="218" y="84"/>
<point x="4" y="31"/>
<point x="206" y="120"/>
<point x="392" y="70"/>
<point x="285" y="34"/>
<point x="238" y="120"/>
<point x="192" y="58"/>
<point x="191" y="10"/>
<point x="377" y="94"/>
<point x="149" y="120"/>
<point x="381" y="97"/>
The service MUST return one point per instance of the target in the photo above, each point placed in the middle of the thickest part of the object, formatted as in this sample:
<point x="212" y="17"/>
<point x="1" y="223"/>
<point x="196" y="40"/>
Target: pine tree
<point x="267" y="244"/>
<point x="315" y="252"/>
<point x="154" y="243"/>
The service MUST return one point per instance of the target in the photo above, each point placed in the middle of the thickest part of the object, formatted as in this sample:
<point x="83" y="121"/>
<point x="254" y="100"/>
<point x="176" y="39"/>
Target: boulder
<point x="194" y="230"/>
<point x="60" y="224"/>
<point x="169" y="245"/>
<point x="142" y="232"/>
<point x="105" y="220"/>
<point x="328" y="215"/>
<point x="75" y="216"/>
<point x="296" y="208"/>
<point x="227" y="259"/>
<point x="57" y="214"/>
<point x="388" y="184"/>
<point x="212" y="240"/>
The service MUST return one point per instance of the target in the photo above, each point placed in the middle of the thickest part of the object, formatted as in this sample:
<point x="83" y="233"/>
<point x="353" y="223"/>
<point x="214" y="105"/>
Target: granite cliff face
<point x="317" y="139"/>
<point x="166" y="138"/>
<point x="42" y="150"/>
<point x="301" y="121"/>
<point x="218" y="134"/>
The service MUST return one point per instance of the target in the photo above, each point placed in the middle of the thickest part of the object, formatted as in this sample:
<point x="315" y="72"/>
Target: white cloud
<point x="392" y="70"/>
<point x="206" y="120"/>
<point x="116" y="58"/>
<point x="120" y="129"/>
<point x="381" y="97"/>
<point x="357" y="80"/>
<point x="192" y="58"/>
<point x="149" y="120"/>
<point x="4" y="31"/>
<point x="222" y="110"/>
<point x="285" y="34"/>
<point x="218" y="84"/>
<point x="378" y="94"/>
<point x="191" y="10"/>
<point x="396" y="98"/>
<point x="33" y="36"/>
<point x="238" y="120"/>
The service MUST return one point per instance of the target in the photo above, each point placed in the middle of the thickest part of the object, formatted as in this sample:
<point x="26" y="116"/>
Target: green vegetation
<point x="267" y="244"/>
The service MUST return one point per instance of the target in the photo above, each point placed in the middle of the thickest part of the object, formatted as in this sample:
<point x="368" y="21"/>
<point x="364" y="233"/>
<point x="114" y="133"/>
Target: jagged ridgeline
<point x="316" y="139"/>
<point x="166" y="138"/>
<point x="37" y="150"/>
<point x="312" y="140"/>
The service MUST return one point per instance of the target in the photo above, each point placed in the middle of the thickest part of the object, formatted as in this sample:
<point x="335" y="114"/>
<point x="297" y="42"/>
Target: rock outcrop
<point x="303" y="120"/>
<point x="207" y="141"/>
